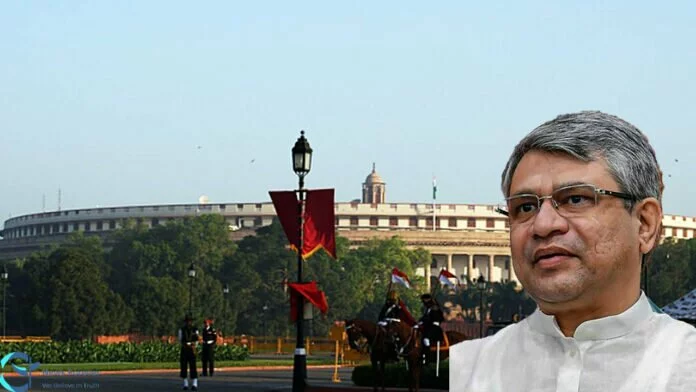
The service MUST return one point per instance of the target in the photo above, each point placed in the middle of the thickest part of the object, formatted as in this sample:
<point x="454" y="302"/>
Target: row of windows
<point x="87" y="226"/>
<point x="199" y="207"/>
<point x="678" y="232"/>
<point x="413" y="222"/>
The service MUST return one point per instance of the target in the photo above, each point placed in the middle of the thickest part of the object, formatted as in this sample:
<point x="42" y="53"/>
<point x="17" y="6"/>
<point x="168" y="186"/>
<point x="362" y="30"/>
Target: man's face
<point x="601" y="246"/>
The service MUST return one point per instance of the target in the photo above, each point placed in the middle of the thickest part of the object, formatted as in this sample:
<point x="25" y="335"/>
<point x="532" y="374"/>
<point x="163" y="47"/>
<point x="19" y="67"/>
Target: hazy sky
<point x="110" y="101"/>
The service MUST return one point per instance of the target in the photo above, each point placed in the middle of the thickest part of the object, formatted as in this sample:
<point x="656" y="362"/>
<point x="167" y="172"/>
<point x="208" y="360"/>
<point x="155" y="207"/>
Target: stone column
<point x="491" y="262"/>
<point x="427" y="276"/>
<point x="449" y="262"/>
<point x="470" y="268"/>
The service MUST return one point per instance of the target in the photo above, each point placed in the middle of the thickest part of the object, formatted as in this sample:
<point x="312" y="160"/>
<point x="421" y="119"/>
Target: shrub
<point x="396" y="376"/>
<point x="77" y="351"/>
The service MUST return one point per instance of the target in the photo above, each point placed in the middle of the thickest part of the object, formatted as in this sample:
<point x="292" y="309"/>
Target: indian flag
<point x="434" y="188"/>
<point x="445" y="277"/>
<point x="400" y="277"/>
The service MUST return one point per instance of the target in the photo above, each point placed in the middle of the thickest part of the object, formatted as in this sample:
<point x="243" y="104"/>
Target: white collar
<point x="598" y="329"/>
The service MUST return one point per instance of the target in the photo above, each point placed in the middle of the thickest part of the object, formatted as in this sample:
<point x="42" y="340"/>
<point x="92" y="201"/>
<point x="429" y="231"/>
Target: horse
<point x="382" y="347"/>
<point x="416" y="354"/>
<point x="361" y="334"/>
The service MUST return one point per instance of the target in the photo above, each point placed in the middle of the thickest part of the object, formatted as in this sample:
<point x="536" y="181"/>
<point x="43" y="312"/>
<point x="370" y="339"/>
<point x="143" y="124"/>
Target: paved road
<point x="268" y="380"/>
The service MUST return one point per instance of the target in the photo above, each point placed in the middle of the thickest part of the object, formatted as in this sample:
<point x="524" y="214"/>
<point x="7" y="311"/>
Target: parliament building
<point x="467" y="239"/>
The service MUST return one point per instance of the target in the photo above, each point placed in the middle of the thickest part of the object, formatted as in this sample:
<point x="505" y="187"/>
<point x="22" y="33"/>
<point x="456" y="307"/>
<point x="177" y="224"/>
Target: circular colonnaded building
<point x="467" y="239"/>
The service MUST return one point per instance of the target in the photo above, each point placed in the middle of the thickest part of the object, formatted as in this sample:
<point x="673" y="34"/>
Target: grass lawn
<point x="103" y="366"/>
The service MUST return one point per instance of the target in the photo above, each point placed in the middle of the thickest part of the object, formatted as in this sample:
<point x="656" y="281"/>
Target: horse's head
<point x="360" y="333"/>
<point x="400" y="329"/>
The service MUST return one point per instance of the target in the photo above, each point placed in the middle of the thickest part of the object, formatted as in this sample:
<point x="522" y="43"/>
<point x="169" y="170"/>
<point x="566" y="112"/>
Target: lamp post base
<point x="299" y="370"/>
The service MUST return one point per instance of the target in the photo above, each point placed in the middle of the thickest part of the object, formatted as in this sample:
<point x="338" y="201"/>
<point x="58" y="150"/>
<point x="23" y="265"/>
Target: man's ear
<point x="649" y="214"/>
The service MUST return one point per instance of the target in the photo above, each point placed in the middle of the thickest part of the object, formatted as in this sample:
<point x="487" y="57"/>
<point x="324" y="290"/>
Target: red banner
<point x="319" y="220"/>
<point x="309" y="291"/>
<point x="320" y="223"/>
<point x="285" y="204"/>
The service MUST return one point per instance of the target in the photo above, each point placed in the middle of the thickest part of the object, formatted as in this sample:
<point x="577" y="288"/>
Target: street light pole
<point x="481" y="285"/>
<point x="4" y="278"/>
<point x="225" y="291"/>
<point x="302" y="162"/>
<point x="192" y="275"/>
<point x="265" y="334"/>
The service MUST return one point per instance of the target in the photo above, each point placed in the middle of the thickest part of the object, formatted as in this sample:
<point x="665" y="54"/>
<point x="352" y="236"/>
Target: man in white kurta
<point x="637" y="350"/>
<point x="583" y="197"/>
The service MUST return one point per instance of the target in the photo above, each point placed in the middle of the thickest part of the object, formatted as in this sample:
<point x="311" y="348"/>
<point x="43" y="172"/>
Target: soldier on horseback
<point x="391" y="311"/>
<point x="429" y="324"/>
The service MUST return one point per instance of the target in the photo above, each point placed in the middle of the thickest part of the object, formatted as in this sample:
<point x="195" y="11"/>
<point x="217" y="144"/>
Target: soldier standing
<point x="209" y="341"/>
<point x="188" y="337"/>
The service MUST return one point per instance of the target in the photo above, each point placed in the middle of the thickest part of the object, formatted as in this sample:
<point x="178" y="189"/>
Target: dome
<point x="374" y="178"/>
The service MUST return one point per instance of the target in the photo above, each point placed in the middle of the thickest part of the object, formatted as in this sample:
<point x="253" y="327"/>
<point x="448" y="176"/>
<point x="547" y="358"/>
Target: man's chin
<point x="553" y="294"/>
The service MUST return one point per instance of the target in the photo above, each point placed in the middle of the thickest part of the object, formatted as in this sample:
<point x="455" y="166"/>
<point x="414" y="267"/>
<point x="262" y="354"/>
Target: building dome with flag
<point x="373" y="177"/>
<point x="374" y="188"/>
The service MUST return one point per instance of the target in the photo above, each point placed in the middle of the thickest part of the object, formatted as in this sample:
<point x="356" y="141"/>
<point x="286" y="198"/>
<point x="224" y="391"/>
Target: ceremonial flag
<point x="311" y="292"/>
<point x="445" y="277"/>
<point x="400" y="277"/>
<point x="320" y="223"/>
<point x="286" y="207"/>
<point x="319" y="220"/>
<point x="434" y="188"/>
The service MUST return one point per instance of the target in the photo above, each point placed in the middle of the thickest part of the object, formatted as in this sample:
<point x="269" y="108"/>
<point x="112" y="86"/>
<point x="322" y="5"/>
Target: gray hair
<point x="591" y="136"/>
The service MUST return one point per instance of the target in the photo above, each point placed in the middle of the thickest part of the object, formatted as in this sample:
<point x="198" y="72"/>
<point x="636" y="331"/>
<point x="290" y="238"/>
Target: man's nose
<point x="548" y="220"/>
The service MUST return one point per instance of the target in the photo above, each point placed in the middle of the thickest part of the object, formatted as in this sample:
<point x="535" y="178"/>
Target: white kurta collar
<point x="599" y="329"/>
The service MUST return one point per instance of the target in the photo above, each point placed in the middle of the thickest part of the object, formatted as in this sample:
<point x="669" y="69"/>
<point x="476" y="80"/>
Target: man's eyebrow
<point x="529" y="191"/>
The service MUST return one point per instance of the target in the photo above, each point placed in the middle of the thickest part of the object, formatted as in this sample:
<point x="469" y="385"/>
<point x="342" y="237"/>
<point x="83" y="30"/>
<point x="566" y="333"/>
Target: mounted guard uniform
<point x="430" y="322"/>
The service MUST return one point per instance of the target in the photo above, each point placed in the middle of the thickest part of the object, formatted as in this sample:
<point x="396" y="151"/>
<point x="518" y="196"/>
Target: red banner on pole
<point x="311" y="292"/>
<point x="320" y="223"/>
<point x="286" y="204"/>
<point x="319" y="220"/>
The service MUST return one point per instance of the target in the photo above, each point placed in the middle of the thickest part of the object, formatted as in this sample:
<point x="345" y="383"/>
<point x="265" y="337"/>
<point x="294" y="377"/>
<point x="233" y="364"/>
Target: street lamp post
<point x="4" y="277"/>
<point x="225" y="291"/>
<point x="192" y="275"/>
<point x="481" y="286"/>
<point x="265" y="333"/>
<point x="301" y="164"/>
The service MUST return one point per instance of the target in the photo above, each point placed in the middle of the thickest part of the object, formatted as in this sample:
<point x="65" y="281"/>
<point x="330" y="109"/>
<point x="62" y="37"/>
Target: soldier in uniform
<point x="430" y="322"/>
<point x="391" y="309"/>
<point x="188" y="337"/>
<point x="209" y="341"/>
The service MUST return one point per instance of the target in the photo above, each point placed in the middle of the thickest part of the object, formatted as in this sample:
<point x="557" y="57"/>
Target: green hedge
<point x="85" y="351"/>
<point x="397" y="376"/>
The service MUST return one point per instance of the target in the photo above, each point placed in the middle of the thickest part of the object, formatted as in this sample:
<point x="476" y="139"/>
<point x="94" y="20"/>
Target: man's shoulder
<point x="666" y="322"/>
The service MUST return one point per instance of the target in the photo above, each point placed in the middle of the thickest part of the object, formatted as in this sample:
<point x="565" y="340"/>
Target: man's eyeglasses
<point x="569" y="201"/>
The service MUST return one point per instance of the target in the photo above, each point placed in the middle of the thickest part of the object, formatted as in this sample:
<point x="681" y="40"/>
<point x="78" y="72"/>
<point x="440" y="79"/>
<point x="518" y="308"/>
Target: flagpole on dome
<point x="434" y="198"/>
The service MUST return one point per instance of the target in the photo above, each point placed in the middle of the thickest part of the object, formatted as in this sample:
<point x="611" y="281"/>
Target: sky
<point x="134" y="103"/>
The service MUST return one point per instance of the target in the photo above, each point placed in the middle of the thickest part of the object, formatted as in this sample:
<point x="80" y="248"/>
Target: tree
<point x="80" y="304"/>
<point x="672" y="270"/>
